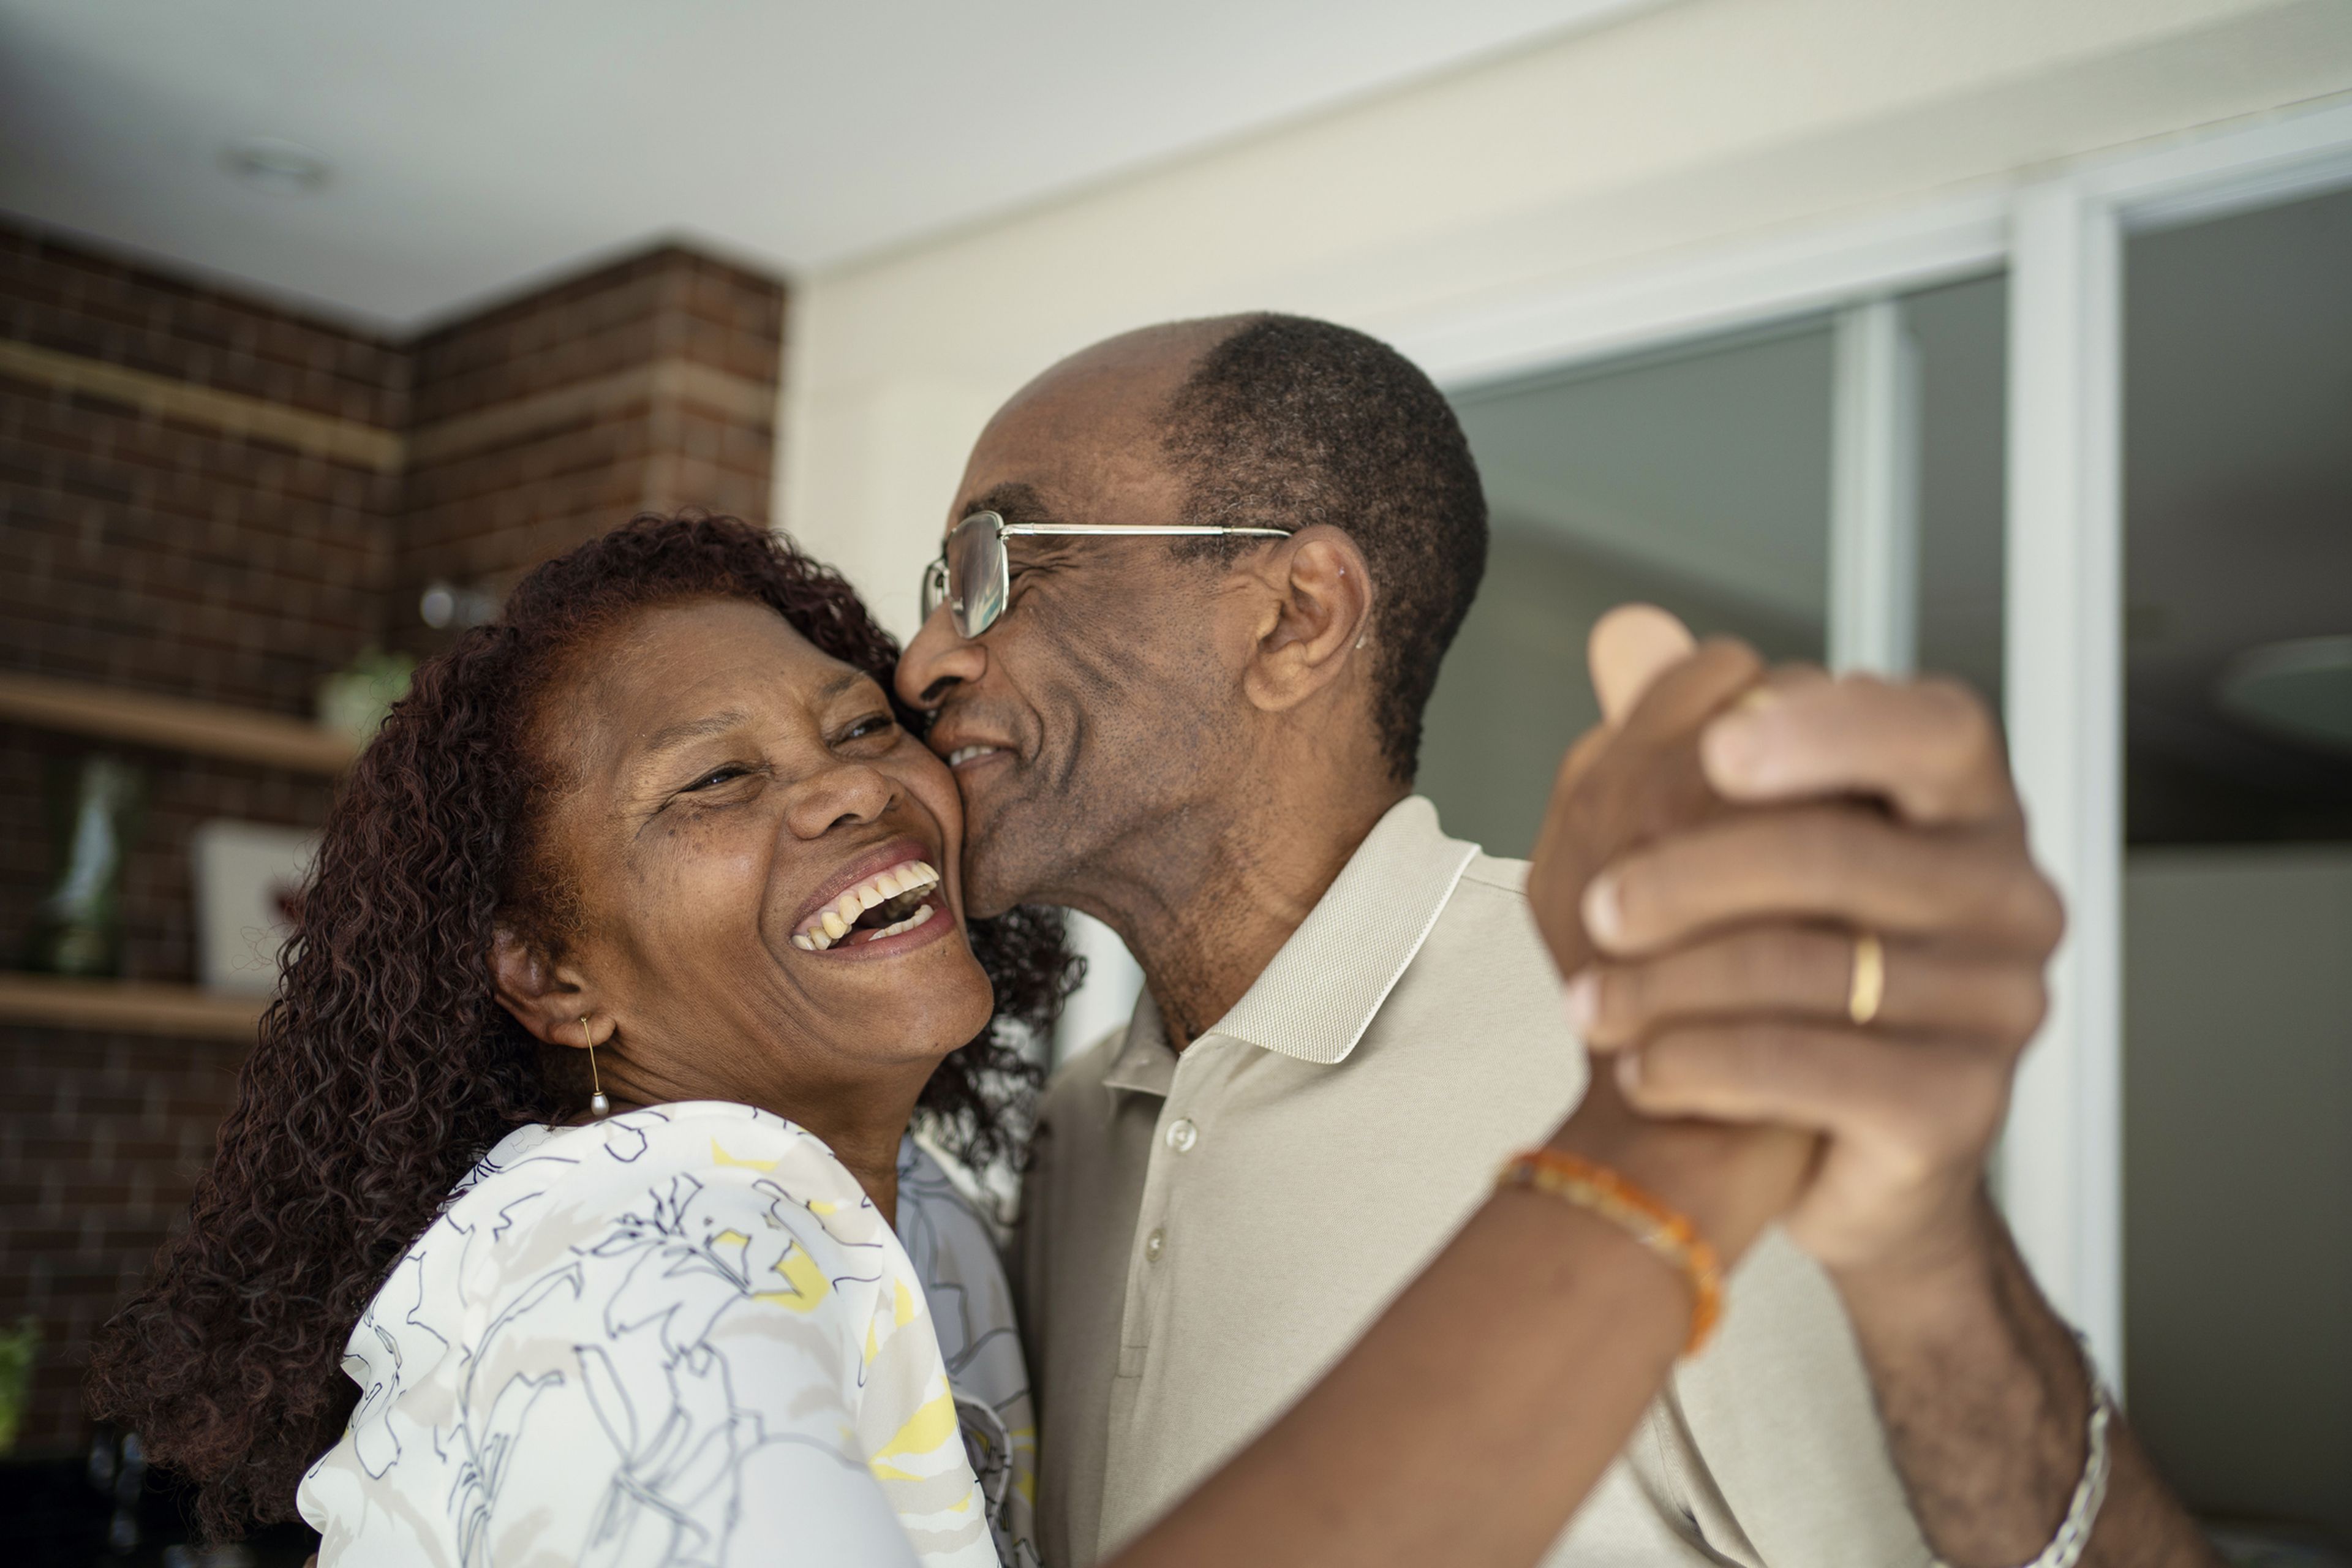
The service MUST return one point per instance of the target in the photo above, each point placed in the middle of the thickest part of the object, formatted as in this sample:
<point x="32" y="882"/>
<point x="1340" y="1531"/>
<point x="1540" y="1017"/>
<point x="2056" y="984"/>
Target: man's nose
<point x="937" y="661"/>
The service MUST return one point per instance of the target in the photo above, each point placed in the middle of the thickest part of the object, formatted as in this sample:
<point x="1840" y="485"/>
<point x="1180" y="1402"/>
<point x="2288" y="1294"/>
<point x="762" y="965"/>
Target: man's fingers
<point x="1847" y="865"/>
<point x="1918" y="1101"/>
<point x="1929" y="748"/>
<point x="1807" y="975"/>
<point x="1630" y="648"/>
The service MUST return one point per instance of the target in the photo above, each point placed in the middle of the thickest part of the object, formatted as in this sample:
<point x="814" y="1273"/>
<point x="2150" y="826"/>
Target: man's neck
<point x="1205" y="912"/>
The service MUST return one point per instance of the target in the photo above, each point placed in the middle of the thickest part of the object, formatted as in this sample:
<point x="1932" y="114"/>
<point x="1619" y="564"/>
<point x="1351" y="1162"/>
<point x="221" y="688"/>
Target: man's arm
<point x="1987" y="1404"/>
<point x="1831" y="923"/>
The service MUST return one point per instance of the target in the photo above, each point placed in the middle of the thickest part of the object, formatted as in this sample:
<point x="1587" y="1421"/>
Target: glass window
<point x="2238" y="866"/>
<point x="1698" y="480"/>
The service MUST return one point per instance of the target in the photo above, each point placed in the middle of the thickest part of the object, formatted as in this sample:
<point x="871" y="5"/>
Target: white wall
<point x="1690" y="127"/>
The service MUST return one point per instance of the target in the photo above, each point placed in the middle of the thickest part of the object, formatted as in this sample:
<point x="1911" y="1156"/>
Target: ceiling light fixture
<point x="2301" y="689"/>
<point x="277" y="168"/>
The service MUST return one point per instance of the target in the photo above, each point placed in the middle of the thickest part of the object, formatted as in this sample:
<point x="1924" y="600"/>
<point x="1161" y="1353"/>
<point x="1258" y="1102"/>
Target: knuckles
<point x="2019" y="1007"/>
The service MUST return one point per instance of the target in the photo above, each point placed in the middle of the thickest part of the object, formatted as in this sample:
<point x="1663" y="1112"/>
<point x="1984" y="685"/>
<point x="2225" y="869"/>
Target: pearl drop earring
<point x="598" y="1106"/>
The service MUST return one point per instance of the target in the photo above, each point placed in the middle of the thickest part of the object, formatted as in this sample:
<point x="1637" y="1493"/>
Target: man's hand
<point x="1736" y="979"/>
<point x="1715" y="855"/>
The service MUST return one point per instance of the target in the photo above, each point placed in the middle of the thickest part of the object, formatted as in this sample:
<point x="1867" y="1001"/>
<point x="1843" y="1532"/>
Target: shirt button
<point x="1154" y="1244"/>
<point x="1182" y="1136"/>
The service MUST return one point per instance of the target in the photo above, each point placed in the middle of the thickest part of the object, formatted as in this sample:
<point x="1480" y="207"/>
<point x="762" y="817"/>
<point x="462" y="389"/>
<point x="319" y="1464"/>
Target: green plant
<point x="18" y="1350"/>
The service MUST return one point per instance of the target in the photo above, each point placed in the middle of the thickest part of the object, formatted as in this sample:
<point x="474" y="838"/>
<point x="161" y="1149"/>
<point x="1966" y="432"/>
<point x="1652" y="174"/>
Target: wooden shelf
<point x="127" y="1005"/>
<point x="242" y="734"/>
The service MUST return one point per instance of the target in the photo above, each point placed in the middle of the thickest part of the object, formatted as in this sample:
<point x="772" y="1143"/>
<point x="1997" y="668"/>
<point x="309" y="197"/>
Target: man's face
<point x="1096" y="707"/>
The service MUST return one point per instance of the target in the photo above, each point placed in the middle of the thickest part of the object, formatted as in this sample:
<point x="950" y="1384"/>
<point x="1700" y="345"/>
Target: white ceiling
<point x="477" y="146"/>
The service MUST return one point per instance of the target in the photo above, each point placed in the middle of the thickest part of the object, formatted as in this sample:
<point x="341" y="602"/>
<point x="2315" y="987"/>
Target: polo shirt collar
<point x="1144" y="1063"/>
<point x="1314" y="1001"/>
<point x="1320" y="993"/>
<point x="1327" y="984"/>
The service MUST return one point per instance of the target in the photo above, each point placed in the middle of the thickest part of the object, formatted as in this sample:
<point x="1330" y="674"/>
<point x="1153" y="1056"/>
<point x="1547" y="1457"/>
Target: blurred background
<point x="2008" y="339"/>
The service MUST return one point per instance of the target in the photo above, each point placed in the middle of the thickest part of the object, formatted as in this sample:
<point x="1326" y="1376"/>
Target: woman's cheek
<point x="934" y="788"/>
<point x="714" y="884"/>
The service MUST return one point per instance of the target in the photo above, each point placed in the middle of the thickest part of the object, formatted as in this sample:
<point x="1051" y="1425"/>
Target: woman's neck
<point x="874" y="1161"/>
<point x="863" y="1123"/>
<point x="861" y="1113"/>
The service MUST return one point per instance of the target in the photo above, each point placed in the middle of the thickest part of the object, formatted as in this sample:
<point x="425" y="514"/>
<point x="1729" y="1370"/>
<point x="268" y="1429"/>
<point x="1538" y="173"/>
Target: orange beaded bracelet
<point x="1652" y="1223"/>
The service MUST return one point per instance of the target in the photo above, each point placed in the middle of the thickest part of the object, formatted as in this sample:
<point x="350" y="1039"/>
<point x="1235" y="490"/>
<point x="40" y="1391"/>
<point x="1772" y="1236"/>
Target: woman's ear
<point x="545" y="997"/>
<point x="1320" y="618"/>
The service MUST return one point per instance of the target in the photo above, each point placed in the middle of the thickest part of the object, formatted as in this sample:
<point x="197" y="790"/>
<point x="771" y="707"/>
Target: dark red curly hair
<point x="386" y="1068"/>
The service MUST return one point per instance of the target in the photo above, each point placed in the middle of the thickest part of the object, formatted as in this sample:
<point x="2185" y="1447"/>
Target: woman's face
<point x="761" y="869"/>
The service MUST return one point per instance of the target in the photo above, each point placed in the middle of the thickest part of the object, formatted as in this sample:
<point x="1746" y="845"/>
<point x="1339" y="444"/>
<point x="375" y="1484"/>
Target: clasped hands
<point x="1714" y="854"/>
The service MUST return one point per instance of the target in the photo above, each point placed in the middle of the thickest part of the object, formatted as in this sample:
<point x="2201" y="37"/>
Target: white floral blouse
<point x="684" y="1336"/>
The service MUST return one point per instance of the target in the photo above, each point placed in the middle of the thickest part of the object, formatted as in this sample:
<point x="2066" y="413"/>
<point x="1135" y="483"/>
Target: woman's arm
<point x="1473" y="1417"/>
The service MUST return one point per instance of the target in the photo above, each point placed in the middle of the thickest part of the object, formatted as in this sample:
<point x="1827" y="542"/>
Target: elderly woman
<point x="578" y="1137"/>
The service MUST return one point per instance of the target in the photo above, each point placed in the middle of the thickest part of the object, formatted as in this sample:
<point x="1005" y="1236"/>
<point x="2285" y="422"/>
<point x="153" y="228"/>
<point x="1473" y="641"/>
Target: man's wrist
<point x="1982" y="1389"/>
<point x="1946" y="1269"/>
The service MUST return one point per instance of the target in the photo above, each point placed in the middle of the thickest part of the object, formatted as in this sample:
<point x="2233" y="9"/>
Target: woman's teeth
<point x="963" y="754"/>
<point x="922" y="913"/>
<point x="900" y="891"/>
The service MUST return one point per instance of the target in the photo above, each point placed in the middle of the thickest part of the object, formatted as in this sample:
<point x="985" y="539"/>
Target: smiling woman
<point x="601" y="822"/>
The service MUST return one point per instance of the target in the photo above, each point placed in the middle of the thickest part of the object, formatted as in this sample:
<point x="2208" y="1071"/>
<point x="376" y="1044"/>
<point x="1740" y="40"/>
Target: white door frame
<point x="2059" y="235"/>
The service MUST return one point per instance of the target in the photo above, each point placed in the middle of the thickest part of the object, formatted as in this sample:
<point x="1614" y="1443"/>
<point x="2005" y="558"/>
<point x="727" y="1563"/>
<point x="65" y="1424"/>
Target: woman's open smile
<point x="880" y="904"/>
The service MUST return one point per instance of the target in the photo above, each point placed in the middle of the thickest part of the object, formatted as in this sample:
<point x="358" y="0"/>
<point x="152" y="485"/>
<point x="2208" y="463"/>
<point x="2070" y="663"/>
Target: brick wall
<point x="173" y="555"/>
<point x="206" y="497"/>
<point x="647" y="386"/>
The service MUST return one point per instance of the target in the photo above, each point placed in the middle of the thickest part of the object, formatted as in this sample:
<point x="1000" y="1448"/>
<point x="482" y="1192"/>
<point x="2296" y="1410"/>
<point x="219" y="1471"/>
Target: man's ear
<point x="1314" y="623"/>
<point x="547" y="998"/>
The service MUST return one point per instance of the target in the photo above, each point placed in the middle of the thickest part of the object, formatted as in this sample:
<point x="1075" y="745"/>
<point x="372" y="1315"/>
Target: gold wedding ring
<point x="1869" y="986"/>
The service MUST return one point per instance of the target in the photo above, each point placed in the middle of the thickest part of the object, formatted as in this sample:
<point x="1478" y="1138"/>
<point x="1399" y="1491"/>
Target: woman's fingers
<point x="1627" y="782"/>
<point x="1846" y="865"/>
<point x="1630" y="648"/>
<point x="1807" y="975"/>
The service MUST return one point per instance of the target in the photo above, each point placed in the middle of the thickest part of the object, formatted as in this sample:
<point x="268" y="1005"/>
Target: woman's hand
<point x="1728" y="1180"/>
<point x="1635" y="776"/>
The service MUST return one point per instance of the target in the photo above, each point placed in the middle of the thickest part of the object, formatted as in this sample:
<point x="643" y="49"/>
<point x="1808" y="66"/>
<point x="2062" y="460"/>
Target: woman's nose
<point x="848" y="793"/>
<point x="937" y="661"/>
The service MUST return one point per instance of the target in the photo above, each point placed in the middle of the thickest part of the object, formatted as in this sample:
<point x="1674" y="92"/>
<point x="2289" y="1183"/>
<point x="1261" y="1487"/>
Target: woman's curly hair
<point x="386" y="1068"/>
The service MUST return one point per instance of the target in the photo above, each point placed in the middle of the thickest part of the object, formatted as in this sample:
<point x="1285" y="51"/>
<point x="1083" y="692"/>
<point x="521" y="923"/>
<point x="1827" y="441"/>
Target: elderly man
<point x="1826" y="920"/>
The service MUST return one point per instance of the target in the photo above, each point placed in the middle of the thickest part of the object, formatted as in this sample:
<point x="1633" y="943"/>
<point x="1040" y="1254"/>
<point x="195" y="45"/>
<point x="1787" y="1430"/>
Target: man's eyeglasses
<point x="972" y="576"/>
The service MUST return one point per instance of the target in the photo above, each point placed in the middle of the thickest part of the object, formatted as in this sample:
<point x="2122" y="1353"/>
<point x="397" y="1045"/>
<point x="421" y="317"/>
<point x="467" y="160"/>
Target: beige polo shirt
<point x="1204" y="1235"/>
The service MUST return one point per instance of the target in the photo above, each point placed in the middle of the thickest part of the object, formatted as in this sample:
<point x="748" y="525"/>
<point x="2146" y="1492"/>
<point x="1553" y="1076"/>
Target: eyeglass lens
<point x="976" y="574"/>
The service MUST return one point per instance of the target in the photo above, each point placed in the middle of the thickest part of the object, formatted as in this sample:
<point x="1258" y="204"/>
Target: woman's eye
<point x="716" y="777"/>
<point x="873" y="725"/>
